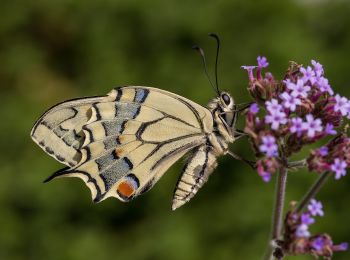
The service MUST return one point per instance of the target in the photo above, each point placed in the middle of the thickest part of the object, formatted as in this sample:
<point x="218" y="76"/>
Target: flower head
<point x="315" y="208"/>
<point x="339" y="167"/>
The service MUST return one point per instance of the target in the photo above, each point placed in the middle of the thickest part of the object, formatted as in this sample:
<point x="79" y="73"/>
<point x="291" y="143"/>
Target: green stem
<point x="277" y="220"/>
<point x="313" y="191"/>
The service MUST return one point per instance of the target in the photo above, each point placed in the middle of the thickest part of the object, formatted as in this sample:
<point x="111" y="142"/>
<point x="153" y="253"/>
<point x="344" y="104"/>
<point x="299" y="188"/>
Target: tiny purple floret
<point x="318" y="68"/>
<point x="276" y="119"/>
<point x="308" y="75"/>
<point x="262" y="62"/>
<point x="269" y="146"/>
<point x="298" y="89"/>
<point x="339" y="167"/>
<point x="297" y="126"/>
<point x="290" y="101"/>
<point x="302" y="231"/>
<point x="341" y="105"/>
<point x="254" y="108"/>
<point x="323" y="151"/>
<point x="315" y="208"/>
<point x="273" y="106"/>
<point x="312" y="125"/>
<point x="318" y="243"/>
<point x="329" y="129"/>
<point x="307" y="219"/>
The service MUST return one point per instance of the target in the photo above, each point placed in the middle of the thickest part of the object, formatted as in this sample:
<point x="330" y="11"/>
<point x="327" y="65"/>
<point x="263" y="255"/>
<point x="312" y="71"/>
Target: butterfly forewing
<point x="131" y="137"/>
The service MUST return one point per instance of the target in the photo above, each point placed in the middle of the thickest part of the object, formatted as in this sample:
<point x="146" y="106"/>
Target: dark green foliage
<point x="56" y="50"/>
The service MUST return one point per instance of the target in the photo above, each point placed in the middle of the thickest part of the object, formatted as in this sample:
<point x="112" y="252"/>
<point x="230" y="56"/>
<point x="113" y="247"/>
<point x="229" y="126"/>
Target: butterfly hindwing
<point x="59" y="130"/>
<point x="133" y="137"/>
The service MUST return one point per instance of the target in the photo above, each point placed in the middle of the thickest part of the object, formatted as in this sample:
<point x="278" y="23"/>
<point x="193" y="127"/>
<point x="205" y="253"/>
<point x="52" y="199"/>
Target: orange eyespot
<point x="125" y="189"/>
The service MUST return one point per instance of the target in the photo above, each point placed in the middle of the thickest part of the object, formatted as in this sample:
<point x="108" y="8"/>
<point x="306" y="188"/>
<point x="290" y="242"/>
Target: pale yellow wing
<point x="133" y="137"/>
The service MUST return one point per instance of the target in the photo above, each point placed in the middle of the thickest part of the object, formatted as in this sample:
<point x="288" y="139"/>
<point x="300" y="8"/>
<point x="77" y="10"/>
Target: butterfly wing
<point x="133" y="136"/>
<point x="59" y="130"/>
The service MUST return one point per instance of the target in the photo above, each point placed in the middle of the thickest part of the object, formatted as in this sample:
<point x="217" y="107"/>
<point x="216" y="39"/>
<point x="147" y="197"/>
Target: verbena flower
<point x="299" y="89"/>
<point x="262" y="62"/>
<point x="296" y="126"/>
<point x="298" y="239"/>
<point x="269" y="146"/>
<point x="339" y="167"/>
<point x="312" y="125"/>
<point x="341" y="105"/>
<point x="276" y="119"/>
<point x="315" y="208"/>
<point x="290" y="101"/>
<point x="254" y="108"/>
<point x="309" y="75"/>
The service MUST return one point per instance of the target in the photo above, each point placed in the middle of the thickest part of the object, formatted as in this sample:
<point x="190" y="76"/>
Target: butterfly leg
<point x="252" y="164"/>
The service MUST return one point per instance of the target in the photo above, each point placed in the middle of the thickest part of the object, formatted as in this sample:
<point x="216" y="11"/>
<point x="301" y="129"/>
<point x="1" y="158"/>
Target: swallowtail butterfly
<point x="122" y="143"/>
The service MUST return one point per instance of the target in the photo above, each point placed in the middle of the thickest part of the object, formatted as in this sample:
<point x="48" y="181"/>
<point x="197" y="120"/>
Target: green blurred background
<point x="55" y="50"/>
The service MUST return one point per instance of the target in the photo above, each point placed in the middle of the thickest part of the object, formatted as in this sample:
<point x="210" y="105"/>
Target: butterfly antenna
<point x="201" y="52"/>
<point x="216" y="59"/>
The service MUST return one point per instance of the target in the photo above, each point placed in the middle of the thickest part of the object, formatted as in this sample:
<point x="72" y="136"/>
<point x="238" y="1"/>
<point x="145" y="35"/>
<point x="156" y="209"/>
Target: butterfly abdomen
<point x="196" y="172"/>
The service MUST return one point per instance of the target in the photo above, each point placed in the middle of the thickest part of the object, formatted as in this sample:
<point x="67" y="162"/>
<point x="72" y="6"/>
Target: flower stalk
<point x="315" y="188"/>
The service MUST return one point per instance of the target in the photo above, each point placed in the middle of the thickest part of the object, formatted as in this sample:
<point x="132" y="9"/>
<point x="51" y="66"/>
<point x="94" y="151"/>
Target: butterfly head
<point x="226" y="101"/>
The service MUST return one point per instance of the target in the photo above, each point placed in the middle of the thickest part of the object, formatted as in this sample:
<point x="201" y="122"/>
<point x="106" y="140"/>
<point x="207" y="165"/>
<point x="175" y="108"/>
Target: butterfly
<point x="122" y="143"/>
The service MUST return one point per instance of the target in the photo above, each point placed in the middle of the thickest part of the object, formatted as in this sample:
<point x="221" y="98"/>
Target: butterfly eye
<point x="226" y="99"/>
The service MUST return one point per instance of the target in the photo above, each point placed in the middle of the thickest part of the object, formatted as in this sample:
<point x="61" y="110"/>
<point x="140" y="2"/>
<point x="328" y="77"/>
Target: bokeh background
<point x="55" y="50"/>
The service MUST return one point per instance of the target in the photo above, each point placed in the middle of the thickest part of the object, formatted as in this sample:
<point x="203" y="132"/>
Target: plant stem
<point x="311" y="193"/>
<point x="277" y="220"/>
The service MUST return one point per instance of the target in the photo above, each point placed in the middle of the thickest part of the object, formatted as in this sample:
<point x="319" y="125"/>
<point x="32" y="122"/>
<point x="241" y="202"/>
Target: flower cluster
<point x="334" y="156"/>
<point x="298" y="110"/>
<point x="298" y="239"/>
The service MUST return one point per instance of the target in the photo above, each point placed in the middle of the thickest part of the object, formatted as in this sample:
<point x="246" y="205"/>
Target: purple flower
<point x="269" y="146"/>
<point x="312" y="125"/>
<point x="341" y="105"/>
<point x="276" y="119"/>
<point x="307" y="219"/>
<point x="339" y="167"/>
<point x="329" y="129"/>
<point x="315" y="208"/>
<point x="298" y="89"/>
<point x="297" y="126"/>
<point x="318" y="68"/>
<point x="266" y="176"/>
<point x="323" y="85"/>
<point x="290" y="101"/>
<point x="250" y="71"/>
<point x="254" y="108"/>
<point x="318" y="243"/>
<point x="302" y="231"/>
<point x="341" y="247"/>
<point x="262" y="62"/>
<point x="273" y="106"/>
<point x="323" y="151"/>
<point x="308" y="75"/>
